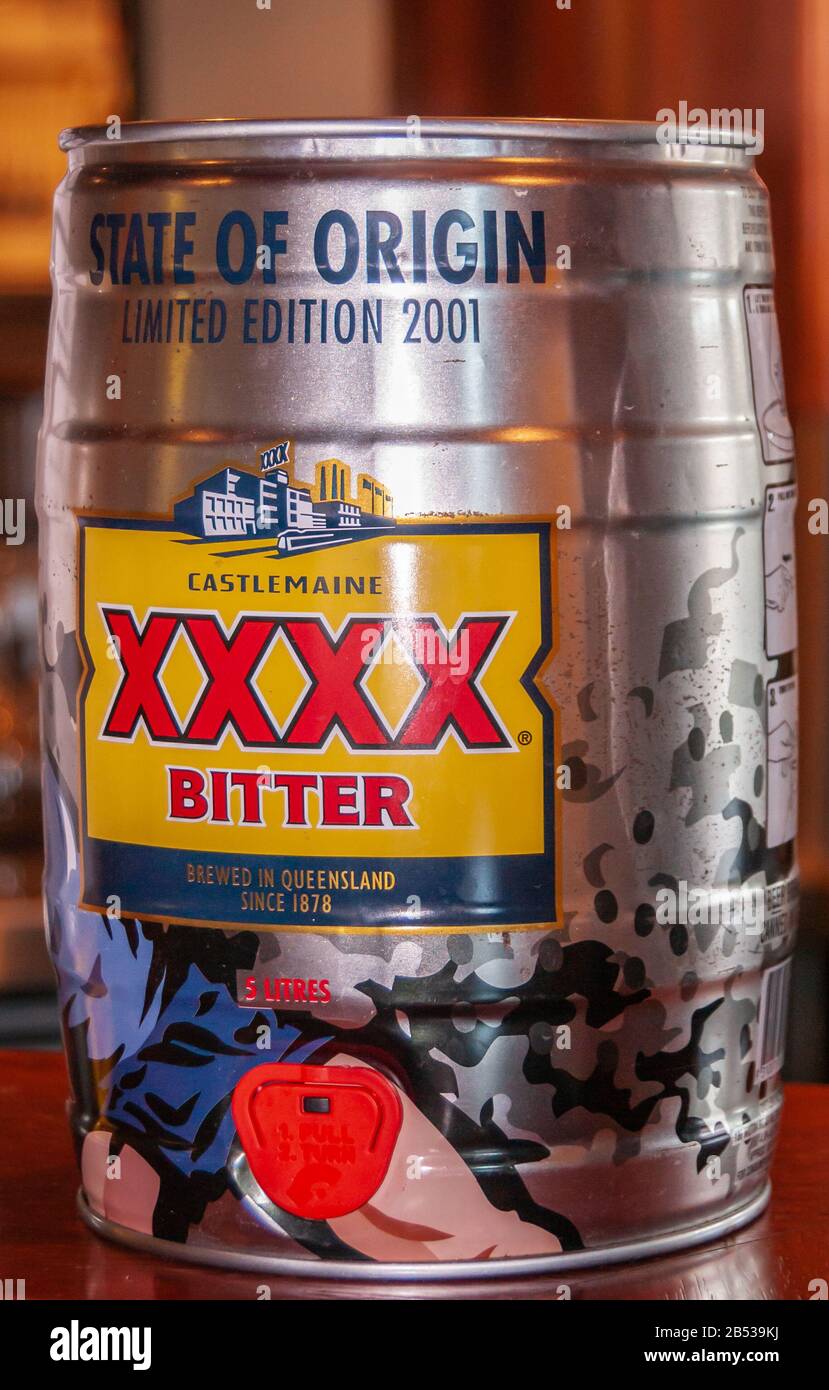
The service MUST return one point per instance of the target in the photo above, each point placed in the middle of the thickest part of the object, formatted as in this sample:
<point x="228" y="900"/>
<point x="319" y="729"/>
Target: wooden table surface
<point x="43" y="1241"/>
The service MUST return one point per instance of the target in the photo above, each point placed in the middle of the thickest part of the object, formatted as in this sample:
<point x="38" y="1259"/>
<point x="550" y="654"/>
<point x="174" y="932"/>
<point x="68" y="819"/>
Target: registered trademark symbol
<point x="525" y="737"/>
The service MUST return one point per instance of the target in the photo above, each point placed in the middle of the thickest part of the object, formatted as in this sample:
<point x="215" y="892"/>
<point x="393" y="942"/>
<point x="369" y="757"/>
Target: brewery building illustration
<point x="240" y="504"/>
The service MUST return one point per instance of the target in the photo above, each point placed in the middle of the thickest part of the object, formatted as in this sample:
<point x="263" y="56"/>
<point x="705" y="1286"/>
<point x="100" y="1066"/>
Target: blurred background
<point x="71" y="62"/>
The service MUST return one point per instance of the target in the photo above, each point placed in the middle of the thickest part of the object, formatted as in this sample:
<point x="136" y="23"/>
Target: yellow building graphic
<point x="332" y="483"/>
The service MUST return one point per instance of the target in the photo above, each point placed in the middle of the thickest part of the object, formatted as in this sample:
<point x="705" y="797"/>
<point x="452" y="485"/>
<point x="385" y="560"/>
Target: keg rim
<point x="411" y="129"/>
<point x="427" y="1271"/>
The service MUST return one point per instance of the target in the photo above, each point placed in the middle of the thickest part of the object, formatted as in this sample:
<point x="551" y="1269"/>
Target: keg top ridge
<point x="424" y="137"/>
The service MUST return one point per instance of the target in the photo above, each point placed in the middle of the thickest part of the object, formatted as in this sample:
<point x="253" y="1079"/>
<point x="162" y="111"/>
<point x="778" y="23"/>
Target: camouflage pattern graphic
<point x="598" y="1082"/>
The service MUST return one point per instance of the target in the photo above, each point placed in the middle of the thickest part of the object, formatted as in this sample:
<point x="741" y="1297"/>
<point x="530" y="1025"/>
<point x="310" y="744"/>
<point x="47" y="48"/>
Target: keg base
<point x="425" y="1271"/>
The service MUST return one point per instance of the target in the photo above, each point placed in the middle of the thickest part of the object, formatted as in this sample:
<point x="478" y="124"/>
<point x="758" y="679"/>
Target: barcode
<point x="774" y="1009"/>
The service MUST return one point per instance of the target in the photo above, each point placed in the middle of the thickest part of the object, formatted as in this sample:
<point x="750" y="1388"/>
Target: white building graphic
<point x="227" y="513"/>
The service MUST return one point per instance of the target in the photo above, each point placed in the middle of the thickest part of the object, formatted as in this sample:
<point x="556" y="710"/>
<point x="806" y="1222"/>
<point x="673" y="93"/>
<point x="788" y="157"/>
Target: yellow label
<point x="329" y="726"/>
